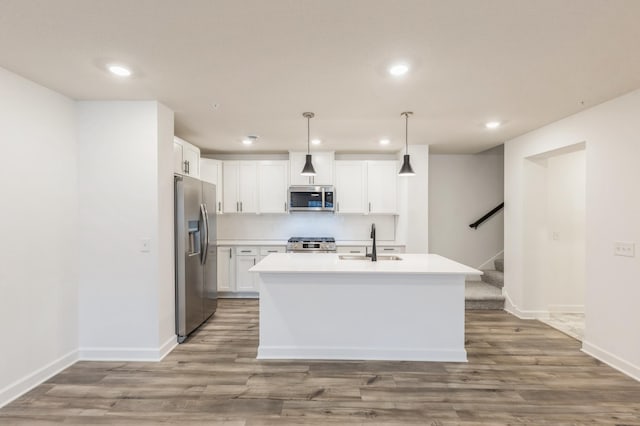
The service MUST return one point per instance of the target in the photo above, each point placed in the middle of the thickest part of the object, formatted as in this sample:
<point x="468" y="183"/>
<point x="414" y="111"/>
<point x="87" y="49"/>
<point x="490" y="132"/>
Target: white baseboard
<point x="21" y="386"/>
<point x="488" y="262"/>
<point x="347" y="353"/>
<point x="566" y="309"/>
<point x="128" y="354"/>
<point x="612" y="360"/>
<point x="513" y="309"/>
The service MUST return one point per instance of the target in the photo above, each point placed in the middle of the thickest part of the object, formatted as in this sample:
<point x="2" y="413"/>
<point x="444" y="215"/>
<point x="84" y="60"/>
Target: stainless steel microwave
<point x="310" y="198"/>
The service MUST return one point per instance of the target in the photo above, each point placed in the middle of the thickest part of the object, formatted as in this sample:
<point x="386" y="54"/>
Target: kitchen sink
<point x="381" y="257"/>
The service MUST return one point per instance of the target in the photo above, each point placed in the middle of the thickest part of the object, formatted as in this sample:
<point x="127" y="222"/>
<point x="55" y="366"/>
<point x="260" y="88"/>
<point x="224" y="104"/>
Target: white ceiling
<point x="526" y="63"/>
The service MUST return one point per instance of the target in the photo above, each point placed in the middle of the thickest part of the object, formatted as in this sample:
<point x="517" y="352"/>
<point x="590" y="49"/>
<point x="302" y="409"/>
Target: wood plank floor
<point x="519" y="372"/>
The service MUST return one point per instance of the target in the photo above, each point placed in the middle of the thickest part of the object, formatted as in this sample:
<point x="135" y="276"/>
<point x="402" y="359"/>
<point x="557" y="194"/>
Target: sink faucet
<point x="374" y="255"/>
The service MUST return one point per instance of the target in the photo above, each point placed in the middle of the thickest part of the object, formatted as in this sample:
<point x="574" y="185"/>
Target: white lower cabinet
<point x="352" y="249"/>
<point x="246" y="258"/>
<point x="226" y="269"/>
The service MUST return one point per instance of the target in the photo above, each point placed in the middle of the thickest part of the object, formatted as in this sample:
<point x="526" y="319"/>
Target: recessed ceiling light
<point x="316" y="141"/>
<point x="399" y="69"/>
<point x="492" y="124"/>
<point x="250" y="140"/>
<point x="385" y="141"/>
<point x="119" y="70"/>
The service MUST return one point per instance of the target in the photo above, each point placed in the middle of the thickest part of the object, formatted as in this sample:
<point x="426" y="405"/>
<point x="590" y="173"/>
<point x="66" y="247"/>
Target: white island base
<point x="320" y="307"/>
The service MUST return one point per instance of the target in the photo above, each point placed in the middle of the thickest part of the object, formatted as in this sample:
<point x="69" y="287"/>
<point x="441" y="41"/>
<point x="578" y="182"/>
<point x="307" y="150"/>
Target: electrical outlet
<point x="145" y="245"/>
<point x="621" y="248"/>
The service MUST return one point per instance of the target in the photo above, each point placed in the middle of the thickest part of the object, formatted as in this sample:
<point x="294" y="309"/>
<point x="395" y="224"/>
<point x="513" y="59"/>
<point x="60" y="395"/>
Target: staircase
<point x="486" y="294"/>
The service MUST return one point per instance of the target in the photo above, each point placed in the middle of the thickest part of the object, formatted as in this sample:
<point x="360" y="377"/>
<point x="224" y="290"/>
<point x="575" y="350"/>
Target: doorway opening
<point x="554" y="241"/>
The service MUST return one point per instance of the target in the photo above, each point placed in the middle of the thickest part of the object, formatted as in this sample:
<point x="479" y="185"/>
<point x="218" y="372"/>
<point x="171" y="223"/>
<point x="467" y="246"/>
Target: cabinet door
<point x="191" y="158"/>
<point x="323" y="164"/>
<point x="247" y="187"/>
<point x="230" y="202"/>
<point x="225" y="269"/>
<point x="245" y="280"/>
<point x="382" y="187"/>
<point x="211" y="171"/>
<point x="272" y="186"/>
<point x="350" y="186"/>
<point x="178" y="166"/>
<point x="296" y="163"/>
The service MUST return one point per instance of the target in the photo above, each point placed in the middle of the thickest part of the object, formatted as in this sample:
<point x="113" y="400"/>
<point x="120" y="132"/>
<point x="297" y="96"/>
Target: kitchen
<point x="100" y="181"/>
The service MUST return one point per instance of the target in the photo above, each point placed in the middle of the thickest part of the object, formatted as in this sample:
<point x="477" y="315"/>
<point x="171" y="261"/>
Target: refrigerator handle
<point x="205" y="234"/>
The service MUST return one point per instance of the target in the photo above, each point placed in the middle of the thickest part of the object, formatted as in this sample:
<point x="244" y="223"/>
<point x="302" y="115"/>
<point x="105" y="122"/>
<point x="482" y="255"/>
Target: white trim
<point x="511" y="308"/>
<point x="566" y="309"/>
<point x="128" y="354"/>
<point x="30" y="381"/>
<point x="351" y="353"/>
<point x="612" y="360"/>
<point x="496" y="256"/>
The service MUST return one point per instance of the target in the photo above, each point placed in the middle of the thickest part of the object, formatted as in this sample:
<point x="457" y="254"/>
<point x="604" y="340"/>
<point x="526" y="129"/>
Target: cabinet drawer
<point x="352" y="249"/>
<point x="246" y="251"/>
<point x="264" y="251"/>
<point x="387" y="249"/>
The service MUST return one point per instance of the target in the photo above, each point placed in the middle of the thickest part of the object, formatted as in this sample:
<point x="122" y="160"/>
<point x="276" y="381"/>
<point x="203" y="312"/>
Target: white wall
<point x="38" y="225"/>
<point x="610" y="131"/>
<point x="413" y="220"/>
<point x="304" y="224"/>
<point x="124" y="198"/>
<point x="462" y="188"/>
<point x="566" y="218"/>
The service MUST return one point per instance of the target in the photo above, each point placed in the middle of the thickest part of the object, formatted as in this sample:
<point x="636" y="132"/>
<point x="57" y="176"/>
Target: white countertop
<point x="331" y="263"/>
<point x="284" y="243"/>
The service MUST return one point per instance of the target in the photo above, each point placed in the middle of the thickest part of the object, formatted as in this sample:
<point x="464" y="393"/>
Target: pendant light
<point x="406" y="169"/>
<point x="308" y="169"/>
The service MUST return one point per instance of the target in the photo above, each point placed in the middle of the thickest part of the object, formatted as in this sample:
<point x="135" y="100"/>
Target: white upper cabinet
<point x="273" y="182"/>
<point x="351" y="186"/>
<point x="366" y="187"/>
<point x="186" y="158"/>
<point x="240" y="181"/>
<point x="322" y="163"/>
<point x="382" y="187"/>
<point x="211" y="171"/>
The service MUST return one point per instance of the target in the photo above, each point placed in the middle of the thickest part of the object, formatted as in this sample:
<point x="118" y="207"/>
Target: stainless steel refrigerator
<point x="196" y="263"/>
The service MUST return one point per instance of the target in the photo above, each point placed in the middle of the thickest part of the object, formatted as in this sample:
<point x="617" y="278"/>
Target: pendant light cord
<point x="406" y="133"/>
<point x="308" y="135"/>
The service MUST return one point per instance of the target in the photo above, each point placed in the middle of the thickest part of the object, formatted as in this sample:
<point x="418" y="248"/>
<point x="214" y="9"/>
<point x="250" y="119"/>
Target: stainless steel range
<point x="311" y="245"/>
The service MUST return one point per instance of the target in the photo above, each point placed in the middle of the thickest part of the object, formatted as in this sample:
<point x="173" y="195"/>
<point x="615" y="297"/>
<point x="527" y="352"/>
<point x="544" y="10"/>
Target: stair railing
<point x="493" y="211"/>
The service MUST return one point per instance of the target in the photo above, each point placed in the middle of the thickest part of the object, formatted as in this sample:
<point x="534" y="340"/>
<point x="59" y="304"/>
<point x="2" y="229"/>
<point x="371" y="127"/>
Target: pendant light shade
<point x="406" y="169"/>
<point x="308" y="169"/>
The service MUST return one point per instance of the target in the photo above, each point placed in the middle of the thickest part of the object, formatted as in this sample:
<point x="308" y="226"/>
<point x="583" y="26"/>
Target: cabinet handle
<point x="219" y="206"/>
<point x="354" y="251"/>
<point x="237" y="206"/>
<point x="245" y="251"/>
<point x="272" y="251"/>
<point x="230" y="253"/>
<point x="285" y="206"/>
<point x="240" y="206"/>
<point x="369" y="206"/>
<point x="185" y="166"/>
<point x="388" y="249"/>
<point x="338" y="206"/>
<point x="254" y="261"/>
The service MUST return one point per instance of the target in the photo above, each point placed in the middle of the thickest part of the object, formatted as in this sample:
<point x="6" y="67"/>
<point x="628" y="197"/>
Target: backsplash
<point x="307" y="224"/>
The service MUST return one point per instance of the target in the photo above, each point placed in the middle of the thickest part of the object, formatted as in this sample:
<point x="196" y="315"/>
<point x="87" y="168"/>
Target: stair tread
<point x="499" y="264"/>
<point x="478" y="290"/>
<point x="493" y="277"/>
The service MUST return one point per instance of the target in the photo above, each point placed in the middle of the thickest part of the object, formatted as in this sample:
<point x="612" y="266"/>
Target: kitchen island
<point x="327" y="306"/>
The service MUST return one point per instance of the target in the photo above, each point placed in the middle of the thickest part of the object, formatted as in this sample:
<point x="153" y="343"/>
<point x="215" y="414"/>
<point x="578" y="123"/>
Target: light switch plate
<point x="145" y="245"/>
<point x="621" y="248"/>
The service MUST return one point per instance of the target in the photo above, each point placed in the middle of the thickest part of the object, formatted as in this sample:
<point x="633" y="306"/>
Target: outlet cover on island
<point x="621" y="248"/>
